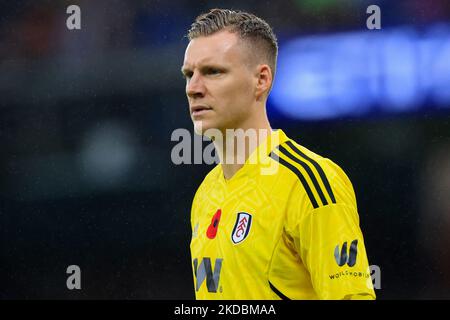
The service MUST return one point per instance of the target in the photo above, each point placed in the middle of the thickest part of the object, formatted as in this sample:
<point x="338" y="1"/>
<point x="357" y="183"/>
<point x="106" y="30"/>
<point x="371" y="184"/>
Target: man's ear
<point x="264" y="81"/>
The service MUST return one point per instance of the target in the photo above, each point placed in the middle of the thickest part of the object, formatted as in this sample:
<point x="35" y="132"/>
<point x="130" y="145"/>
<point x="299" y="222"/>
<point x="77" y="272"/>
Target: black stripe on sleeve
<point x="282" y="296"/>
<point x="305" y="166"/>
<point x="299" y="175"/>
<point x="318" y="168"/>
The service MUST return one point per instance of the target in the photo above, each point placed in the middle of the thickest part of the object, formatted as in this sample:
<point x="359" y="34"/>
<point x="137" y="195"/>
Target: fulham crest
<point x="241" y="227"/>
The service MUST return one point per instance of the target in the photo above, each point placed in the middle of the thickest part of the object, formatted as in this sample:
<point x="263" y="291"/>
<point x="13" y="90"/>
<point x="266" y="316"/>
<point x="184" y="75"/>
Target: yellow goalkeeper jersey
<point x="285" y="226"/>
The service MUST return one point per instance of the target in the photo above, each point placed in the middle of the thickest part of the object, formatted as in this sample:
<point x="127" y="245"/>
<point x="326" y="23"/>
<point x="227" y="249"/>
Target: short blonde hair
<point x="249" y="27"/>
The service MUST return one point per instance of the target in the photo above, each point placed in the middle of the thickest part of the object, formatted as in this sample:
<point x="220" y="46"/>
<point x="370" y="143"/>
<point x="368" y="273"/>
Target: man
<point x="283" y="223"/>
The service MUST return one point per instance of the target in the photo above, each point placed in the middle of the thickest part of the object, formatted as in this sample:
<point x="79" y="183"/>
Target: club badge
<point x="241" y="227"/>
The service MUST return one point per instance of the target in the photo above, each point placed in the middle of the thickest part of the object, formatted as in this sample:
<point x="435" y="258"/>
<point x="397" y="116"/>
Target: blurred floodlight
<point x="356" y="73"/>
<point x="108" y="153"/>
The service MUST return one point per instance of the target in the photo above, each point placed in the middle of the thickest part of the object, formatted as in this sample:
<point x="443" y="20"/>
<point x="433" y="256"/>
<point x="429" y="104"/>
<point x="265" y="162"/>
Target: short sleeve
<point x="330" y="242"/>
<point x="331" y="245"/>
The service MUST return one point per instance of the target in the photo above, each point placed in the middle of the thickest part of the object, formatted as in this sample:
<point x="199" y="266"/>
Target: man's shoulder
<point x="210" y="179"/>
<point x="213" y="175"/>
<point x="324" y="166"/>
<point x="319" y="181"/>
<point x="294" y="154"/>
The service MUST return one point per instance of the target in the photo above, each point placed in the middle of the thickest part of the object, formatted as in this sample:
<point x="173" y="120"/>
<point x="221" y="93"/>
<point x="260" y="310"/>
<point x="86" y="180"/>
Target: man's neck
<point x="234" y="152"/>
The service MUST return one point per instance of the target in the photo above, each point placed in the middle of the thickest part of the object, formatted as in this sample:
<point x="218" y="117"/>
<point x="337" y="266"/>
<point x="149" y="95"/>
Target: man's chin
<point x="201" y="126"/>
<point x="205" y="129"/>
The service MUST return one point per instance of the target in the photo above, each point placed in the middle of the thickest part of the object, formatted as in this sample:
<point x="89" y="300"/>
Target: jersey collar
<point x="260" y="156"/>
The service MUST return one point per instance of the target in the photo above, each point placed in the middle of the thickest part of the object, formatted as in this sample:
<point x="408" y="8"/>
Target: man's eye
<point x="213" y="71"/>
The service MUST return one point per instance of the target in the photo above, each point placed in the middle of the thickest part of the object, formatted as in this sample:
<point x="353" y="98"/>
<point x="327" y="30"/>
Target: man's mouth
<point x="199" y="110"/>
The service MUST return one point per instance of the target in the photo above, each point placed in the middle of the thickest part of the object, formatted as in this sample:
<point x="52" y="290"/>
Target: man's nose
<point x="195" y="87"/>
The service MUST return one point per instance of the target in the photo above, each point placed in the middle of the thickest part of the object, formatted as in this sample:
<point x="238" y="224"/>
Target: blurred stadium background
<point x="86" y="118"/>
